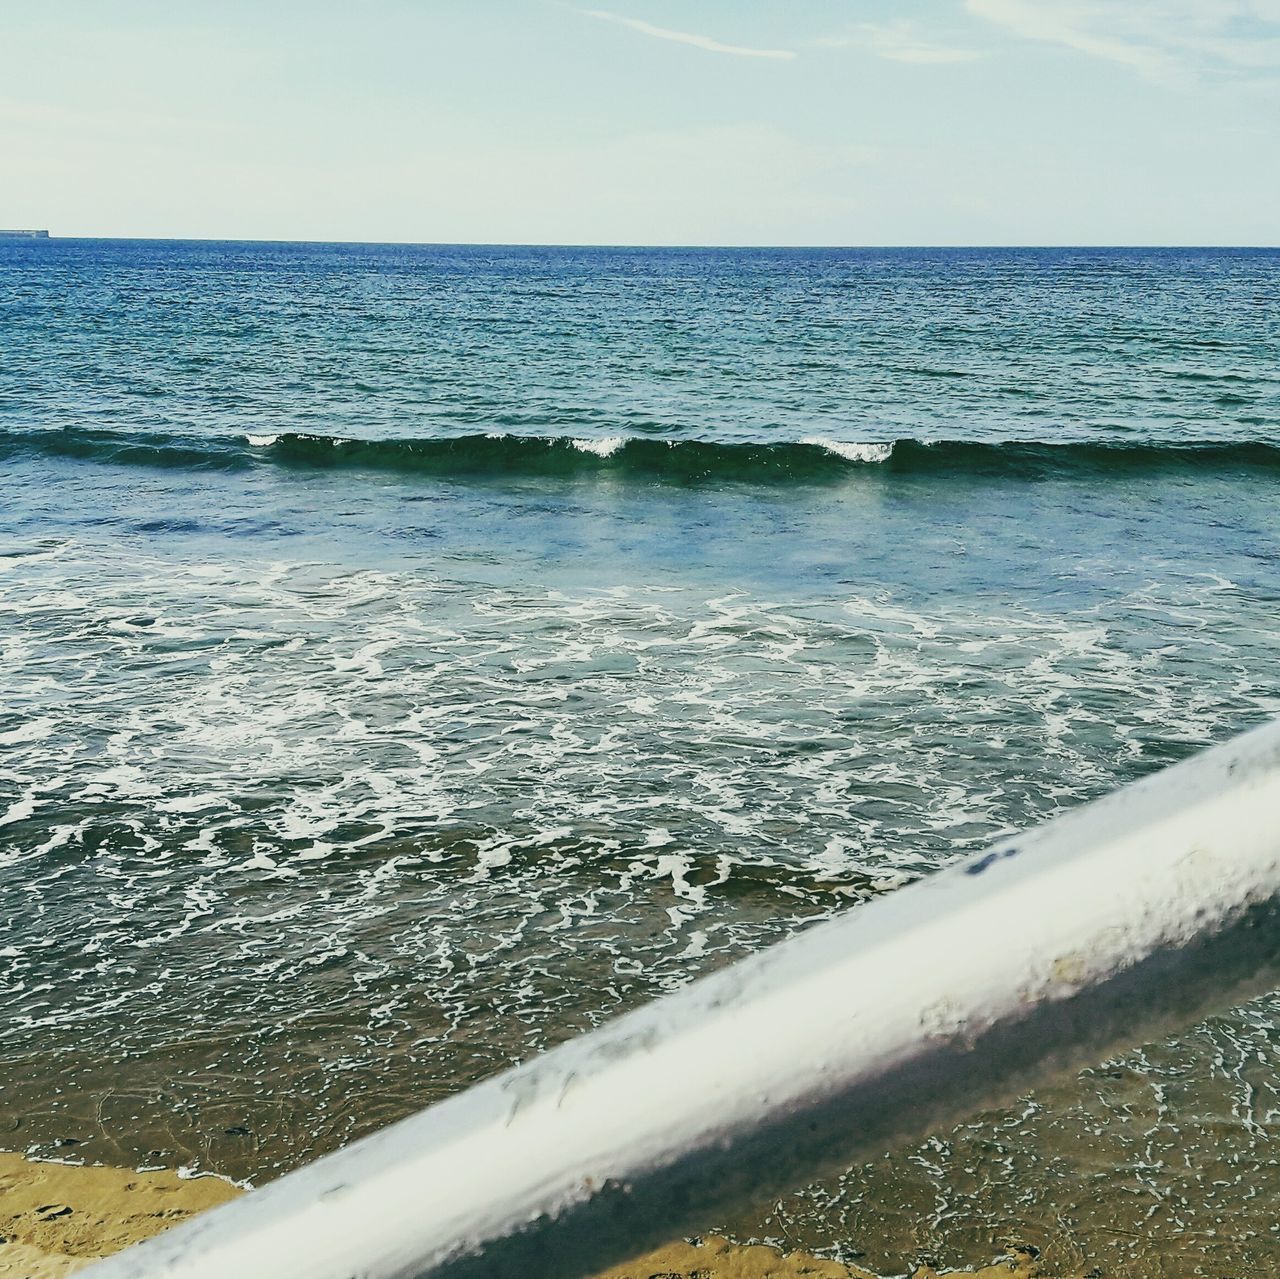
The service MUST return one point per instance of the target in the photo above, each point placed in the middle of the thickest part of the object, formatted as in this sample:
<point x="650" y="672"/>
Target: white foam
<point x="262" y="441"/>
<point x="852" y="450"/>
<point x="601" y="448"/>
<point x="415" y="749"/>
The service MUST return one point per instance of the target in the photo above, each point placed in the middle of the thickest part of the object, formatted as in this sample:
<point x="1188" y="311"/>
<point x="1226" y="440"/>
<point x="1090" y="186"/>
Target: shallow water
<point x="339" y="775"/>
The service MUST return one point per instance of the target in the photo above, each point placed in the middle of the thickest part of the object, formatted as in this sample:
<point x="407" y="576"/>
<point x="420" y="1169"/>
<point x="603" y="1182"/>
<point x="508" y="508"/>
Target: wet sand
<point x="714" y="1258"/>
<point x="56" y="1218"/>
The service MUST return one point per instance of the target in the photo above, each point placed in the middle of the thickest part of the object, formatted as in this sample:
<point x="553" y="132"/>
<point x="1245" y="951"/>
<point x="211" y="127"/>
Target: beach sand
<point x="714" y="1258"/>
<point x="56" y="1218"/>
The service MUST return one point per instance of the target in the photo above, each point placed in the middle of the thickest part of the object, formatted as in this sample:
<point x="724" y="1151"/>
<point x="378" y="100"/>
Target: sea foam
<point x="852" y="450"/>
<point x="606" y="447"/>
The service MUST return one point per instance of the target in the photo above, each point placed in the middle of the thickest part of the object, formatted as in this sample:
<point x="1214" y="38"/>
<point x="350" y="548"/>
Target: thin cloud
<point x="1165" y="40"/>
<point x="898" y="42"/>
<point x="686" y="37"/>
<point x="1078" y="27"/>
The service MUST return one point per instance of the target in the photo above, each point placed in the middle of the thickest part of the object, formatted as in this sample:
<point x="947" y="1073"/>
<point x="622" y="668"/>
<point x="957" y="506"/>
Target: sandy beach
<point x="57" y="1218"/>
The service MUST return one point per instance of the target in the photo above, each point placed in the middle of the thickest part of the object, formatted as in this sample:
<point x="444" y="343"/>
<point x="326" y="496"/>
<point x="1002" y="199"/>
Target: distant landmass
<point x="24" y="235"/>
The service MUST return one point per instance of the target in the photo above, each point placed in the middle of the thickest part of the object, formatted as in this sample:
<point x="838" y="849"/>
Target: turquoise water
<point x="413" y="656"/>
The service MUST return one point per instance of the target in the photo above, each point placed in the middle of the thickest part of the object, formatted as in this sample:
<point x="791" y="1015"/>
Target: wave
<point x="688" y="461"/>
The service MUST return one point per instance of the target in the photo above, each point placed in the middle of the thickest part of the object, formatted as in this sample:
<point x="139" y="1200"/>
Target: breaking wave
<point x="687" y="461"/>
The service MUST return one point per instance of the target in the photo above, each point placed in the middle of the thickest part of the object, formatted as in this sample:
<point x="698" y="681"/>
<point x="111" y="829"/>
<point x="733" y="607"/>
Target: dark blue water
<point x="414" y="655"/>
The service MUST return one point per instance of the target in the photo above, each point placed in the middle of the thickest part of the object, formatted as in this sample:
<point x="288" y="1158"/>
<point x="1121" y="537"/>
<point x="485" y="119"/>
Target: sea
<point x="413" y="656"/>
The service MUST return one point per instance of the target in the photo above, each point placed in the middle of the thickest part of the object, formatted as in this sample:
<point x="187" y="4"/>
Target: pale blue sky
<point x="645" y="121"/>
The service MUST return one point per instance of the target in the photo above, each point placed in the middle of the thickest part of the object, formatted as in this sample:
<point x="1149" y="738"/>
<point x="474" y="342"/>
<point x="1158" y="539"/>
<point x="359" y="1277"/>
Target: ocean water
<point x="413" y="656"/>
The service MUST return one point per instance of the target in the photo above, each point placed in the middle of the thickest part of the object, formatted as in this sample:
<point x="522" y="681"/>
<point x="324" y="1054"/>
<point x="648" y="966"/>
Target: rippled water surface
<point x="414" y="656"/>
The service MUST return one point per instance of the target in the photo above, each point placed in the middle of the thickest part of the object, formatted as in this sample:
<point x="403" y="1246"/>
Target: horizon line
<point x="674" y="245"/>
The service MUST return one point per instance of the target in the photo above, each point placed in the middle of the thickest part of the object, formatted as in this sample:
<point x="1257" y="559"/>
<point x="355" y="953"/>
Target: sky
<point x="792" y="122"/>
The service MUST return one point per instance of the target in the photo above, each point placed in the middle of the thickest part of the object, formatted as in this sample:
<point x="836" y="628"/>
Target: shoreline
<point x="56" y="1218"/>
